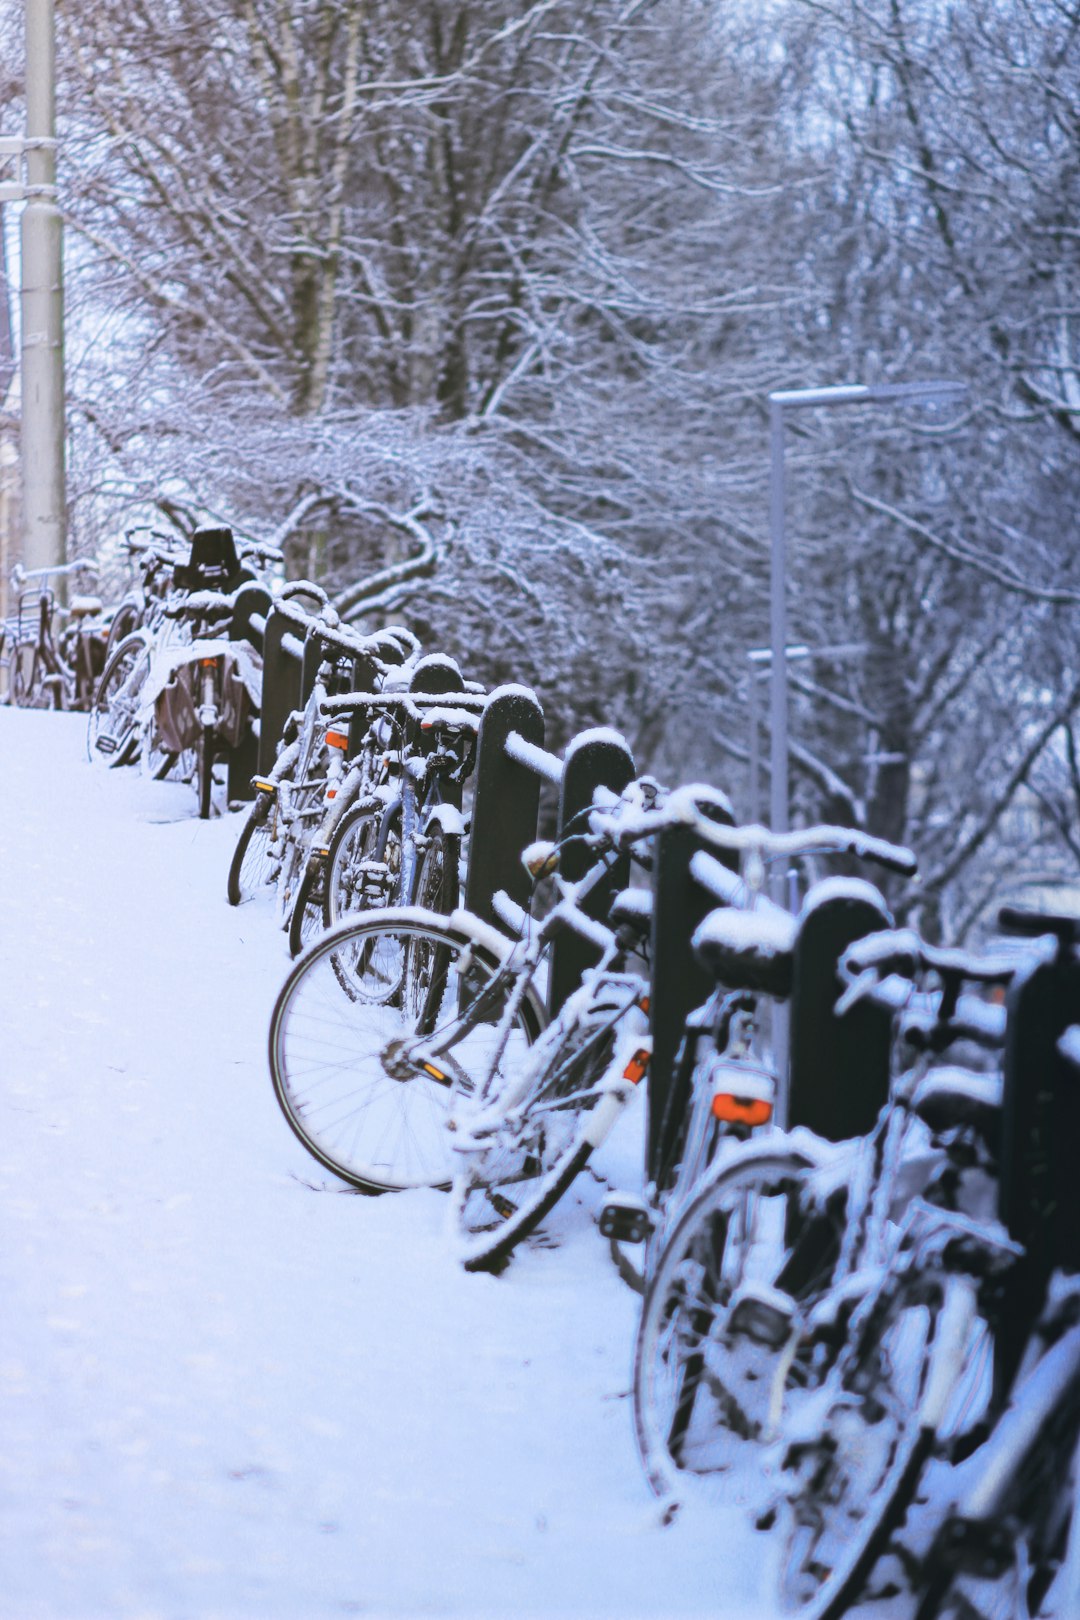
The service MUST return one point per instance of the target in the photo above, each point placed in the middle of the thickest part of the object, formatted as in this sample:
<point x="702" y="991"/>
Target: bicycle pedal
<point x="105" y="744"/>
<point x="625" y="1219"/>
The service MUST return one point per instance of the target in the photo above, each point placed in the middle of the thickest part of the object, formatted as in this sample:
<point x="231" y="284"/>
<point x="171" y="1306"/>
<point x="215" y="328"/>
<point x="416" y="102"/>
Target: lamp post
<point x="42" y="304"/>
<point x="780" y="402"/>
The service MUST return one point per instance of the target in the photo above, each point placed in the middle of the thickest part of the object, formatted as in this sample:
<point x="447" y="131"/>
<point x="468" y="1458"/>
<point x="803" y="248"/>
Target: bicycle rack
<point x="294" y="645"/>
<point x="679" y="982"/>
<point x="248" y="623"/>
<point x="511" y="763"/>
<point x="838" y="1075"/>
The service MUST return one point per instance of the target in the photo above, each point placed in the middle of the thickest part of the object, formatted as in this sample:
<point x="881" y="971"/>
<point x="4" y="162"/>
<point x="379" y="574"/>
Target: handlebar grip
<point x="907" y="865"/>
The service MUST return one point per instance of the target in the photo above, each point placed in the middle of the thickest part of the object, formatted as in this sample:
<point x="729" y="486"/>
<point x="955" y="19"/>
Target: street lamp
<point x="781" y="401"/>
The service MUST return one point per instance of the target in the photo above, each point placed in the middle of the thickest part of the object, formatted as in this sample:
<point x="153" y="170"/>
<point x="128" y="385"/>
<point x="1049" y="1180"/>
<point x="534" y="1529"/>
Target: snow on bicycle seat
<point x="748" y="950"/>
<point x="949" y="1098"/>
<point x="84" y="607"/>
<point x="632" y="906"/>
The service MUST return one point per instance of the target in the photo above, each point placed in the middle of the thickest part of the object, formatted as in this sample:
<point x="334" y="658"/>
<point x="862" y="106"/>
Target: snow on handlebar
<point x="688" y="807"/>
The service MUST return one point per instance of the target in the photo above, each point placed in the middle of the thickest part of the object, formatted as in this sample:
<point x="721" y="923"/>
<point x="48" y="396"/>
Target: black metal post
<point x="506" y="803"/>
<point x="839" y="1067"/>
<point x="679" y="982"/>
<point x="592" y="760"/>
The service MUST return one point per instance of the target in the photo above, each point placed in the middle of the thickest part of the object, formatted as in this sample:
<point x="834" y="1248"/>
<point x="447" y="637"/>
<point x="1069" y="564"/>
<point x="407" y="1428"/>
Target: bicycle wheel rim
<point x="706" y="1390"/>
<point x="348" y="1005"/>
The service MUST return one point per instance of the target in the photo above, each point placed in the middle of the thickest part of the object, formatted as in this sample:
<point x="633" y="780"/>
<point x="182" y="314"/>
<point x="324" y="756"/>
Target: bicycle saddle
<point x="748" y="950"/>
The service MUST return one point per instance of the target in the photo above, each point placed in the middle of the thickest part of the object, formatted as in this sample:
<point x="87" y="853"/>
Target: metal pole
<point x="778" y="756"/>
<point x="42" y="434"/>
<point x="755" y="745"/>
<point x="932" y="391"/>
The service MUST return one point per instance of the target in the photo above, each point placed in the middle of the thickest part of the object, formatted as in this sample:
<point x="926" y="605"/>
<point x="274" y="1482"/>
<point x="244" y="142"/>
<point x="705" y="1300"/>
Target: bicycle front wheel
<point x="31" y="687"/>
<point x="521" y="1162"/>
<point x="714" y="1339"/>
<point x="341" y="1038"/>
<point x="253" y="865"/>
<point x="355" y="879"/>
<point x="915" y="1363"/>
<point x="113" y="728"/>
<point x="437" y="879"/>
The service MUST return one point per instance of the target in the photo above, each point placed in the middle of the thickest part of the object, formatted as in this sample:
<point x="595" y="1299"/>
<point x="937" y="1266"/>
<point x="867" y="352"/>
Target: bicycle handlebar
<point x="413" y="704"/>
<point x="256" y="548"/>
<point x="682" y="808"/>
<point x="903" y="952"/>
<point x="20" y="575"/>
<point x="167" y="546"/>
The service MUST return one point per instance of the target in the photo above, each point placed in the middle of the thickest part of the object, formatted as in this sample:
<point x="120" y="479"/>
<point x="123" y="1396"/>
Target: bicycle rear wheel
<point x="204" y="772"/>
<point x="307" y="913"/>
<point x="340" y="1039"/>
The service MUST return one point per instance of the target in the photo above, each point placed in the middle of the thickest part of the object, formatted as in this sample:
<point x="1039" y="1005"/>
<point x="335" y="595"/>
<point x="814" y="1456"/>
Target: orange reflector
<point x="436" y="1074"/>
<point x="208" y="663"/>
<point x="741" y="1110"/>
<point x="331" y="793"/>
<point x="644" y="1004"/>
<point x="336" y="739"/>
<point x="635" y="1069"/>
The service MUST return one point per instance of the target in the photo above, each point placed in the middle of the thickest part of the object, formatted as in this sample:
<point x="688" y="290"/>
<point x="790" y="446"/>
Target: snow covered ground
<point x="229" y="1386"/>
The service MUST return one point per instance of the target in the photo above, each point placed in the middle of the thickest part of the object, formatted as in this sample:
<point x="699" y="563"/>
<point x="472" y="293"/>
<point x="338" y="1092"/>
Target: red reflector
<point x="635" y="1069"/>
<point x="741" y="1110"/>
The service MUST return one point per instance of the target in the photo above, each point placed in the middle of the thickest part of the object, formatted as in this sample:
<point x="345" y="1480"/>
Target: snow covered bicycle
<point x="930" y="1348"/>
<point x="1006" y="1534"/>
<point x="291" y="799"/>
<point x="386" y="1016"/>
<point x="759" y="1278"/>
<point x="53" y="654"/>
<point x="392" y="833"/>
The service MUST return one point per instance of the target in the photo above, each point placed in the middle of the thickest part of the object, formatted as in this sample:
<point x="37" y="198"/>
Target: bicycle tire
<point x="115" y="710"/>
<point x="295" y="834"/>
<point x="885" y="1419"/>
<point x="127" y="618"/>
<point x="252" y="867"/>
<point x="524" y="1154"/>
<point x="438" y="880"/>
<point x="204" y="772"/>
<point x="702" y="1398"/>
<point x="31" y="689"/>
<point x="354" y="882"/>
<point x="1030" y="1565"/>
<point x="307" y="913"/>
<point x="330" y="1046"/>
